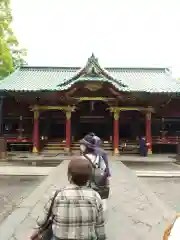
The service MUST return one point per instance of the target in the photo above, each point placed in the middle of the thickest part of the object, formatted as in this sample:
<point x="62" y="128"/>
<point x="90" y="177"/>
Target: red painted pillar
<point x="148" y="132"/>
<point x="116" y="132"/>
<point x="68" y="131"/>
<point x="36" y="132"/>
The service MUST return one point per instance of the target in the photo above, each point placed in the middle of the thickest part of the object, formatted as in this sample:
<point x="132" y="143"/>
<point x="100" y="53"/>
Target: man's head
<point x="79" y="171"/>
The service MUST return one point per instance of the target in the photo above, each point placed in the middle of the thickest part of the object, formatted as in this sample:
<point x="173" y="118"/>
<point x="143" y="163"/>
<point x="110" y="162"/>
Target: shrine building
<point x="47" y="109"/>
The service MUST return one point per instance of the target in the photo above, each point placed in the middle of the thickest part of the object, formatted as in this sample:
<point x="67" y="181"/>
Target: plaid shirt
<point x="78" y="214"/>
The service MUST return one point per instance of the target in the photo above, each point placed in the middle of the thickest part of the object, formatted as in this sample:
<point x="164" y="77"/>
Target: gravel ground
<point x="167" y="189"/>
<point x="13" y="189"/>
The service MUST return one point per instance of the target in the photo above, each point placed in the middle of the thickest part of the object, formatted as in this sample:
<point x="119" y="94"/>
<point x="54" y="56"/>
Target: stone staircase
<point x="129" y="147"/>
<point x="59" y="146"/>
<point x="56" y="145"/>
<point x="107" y="146"/>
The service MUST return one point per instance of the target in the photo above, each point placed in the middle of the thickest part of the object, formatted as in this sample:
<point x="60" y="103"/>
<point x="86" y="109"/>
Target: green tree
<point x="11" y="55"/>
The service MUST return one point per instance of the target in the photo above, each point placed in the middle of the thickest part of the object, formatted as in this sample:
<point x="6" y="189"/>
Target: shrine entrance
<point x="92" y="116"/>
<point x="131" y="125"/>
<point x="52" y="124"/>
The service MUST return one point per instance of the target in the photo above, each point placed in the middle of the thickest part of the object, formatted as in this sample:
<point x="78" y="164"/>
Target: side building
<point x="51" y="108"/>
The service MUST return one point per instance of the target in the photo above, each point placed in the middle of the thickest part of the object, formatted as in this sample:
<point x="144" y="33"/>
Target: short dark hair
<point x="80" y="171"/>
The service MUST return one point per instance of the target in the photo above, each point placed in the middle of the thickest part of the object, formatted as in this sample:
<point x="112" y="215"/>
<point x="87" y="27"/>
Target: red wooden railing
<point x="166" y="140"/>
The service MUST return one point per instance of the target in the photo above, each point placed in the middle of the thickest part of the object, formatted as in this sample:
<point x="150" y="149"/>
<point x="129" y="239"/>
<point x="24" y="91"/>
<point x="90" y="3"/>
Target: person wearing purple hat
<point x="88" y="149"/>
<point x="100" y="151"/>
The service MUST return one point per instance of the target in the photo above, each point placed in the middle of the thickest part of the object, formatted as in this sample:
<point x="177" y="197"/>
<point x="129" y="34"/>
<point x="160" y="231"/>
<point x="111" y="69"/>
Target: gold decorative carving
<point x="68" y="115"/>
<point x="93" y="86"/>
<point x="148" y="115"/>
<point x="36" y="114"/>
<point x="61" y="108"/>
<point x="149" y="109"/>
<point x="116" y="115"/>
<point x="35" y="150"/>
<point x="92" y="99"/>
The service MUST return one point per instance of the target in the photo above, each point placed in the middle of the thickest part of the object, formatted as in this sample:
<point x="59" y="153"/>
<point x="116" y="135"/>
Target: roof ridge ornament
<point x="92" y="67"/>
<point x="92" y="60"/>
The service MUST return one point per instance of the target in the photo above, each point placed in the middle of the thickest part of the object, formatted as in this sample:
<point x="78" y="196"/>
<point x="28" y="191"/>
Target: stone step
<point x="145" y="173"/>
<point x="50" y="147"/>
<point x="55" y="144"/>
<point x="54" y="149"/>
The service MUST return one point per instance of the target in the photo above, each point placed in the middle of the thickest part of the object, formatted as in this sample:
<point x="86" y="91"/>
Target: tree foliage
<point x="11" y="55"/>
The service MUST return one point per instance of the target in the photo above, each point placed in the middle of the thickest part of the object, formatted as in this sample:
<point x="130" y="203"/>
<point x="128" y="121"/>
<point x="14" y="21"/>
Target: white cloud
<point x="119" y="32"/>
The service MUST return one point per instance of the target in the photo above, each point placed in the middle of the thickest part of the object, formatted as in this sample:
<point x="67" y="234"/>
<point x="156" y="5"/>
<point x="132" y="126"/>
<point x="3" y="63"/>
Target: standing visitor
<point x="100" y="151"/>
<point x="99" y="181"/>
<point x="77" y="209"/>
<point x="143" y="147"/>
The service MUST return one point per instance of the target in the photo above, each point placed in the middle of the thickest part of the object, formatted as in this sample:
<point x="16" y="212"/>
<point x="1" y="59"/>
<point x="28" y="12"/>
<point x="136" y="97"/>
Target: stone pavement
<point x="20" y="223"/>
<point x="25" y="171"/>
<point x="167" y="189"/>
<point x="134" y="212"/>
<point x="154" y="169"/>
<point x="13" y="190"/>
<point x="164" y="174"/>
<point x="140" y="214"/>
<point x="56" y="156"/>
<point x="154" y="158"/>
<point x="140" y="169"/>
<point x="153" y="166"/>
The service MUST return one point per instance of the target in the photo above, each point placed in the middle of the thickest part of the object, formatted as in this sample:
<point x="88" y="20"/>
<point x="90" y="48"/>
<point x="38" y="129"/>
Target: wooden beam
<point x="105" y="99"/>
<point x="119" y="109"/>
<point x="49" y="108"/>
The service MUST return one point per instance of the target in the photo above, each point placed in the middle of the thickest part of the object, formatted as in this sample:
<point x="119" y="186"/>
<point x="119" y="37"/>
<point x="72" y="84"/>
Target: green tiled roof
<point x="60" y="78"/>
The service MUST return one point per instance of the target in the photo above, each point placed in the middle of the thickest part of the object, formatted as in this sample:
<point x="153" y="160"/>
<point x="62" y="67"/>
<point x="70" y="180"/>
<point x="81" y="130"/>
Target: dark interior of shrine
<point x="92" y="116"/>
<point x="131" y="125"/>
<point x="52" y="124"/>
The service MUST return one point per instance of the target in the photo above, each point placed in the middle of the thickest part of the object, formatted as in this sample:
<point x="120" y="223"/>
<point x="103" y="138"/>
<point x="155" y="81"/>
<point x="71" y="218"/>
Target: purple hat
<point x="89" y="141"/>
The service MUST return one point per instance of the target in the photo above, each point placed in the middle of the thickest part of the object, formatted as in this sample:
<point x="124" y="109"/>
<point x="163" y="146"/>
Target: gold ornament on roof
<point x="93" y="86"/>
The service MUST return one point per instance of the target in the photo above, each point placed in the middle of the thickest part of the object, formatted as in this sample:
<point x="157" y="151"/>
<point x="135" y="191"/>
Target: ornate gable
<point x="92" y="72"/>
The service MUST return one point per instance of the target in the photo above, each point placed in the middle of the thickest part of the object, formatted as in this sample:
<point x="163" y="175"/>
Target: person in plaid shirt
<point x="78" y="211"/>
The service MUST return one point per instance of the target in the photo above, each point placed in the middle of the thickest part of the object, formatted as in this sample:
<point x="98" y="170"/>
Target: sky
<point x="121" y="33"/>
